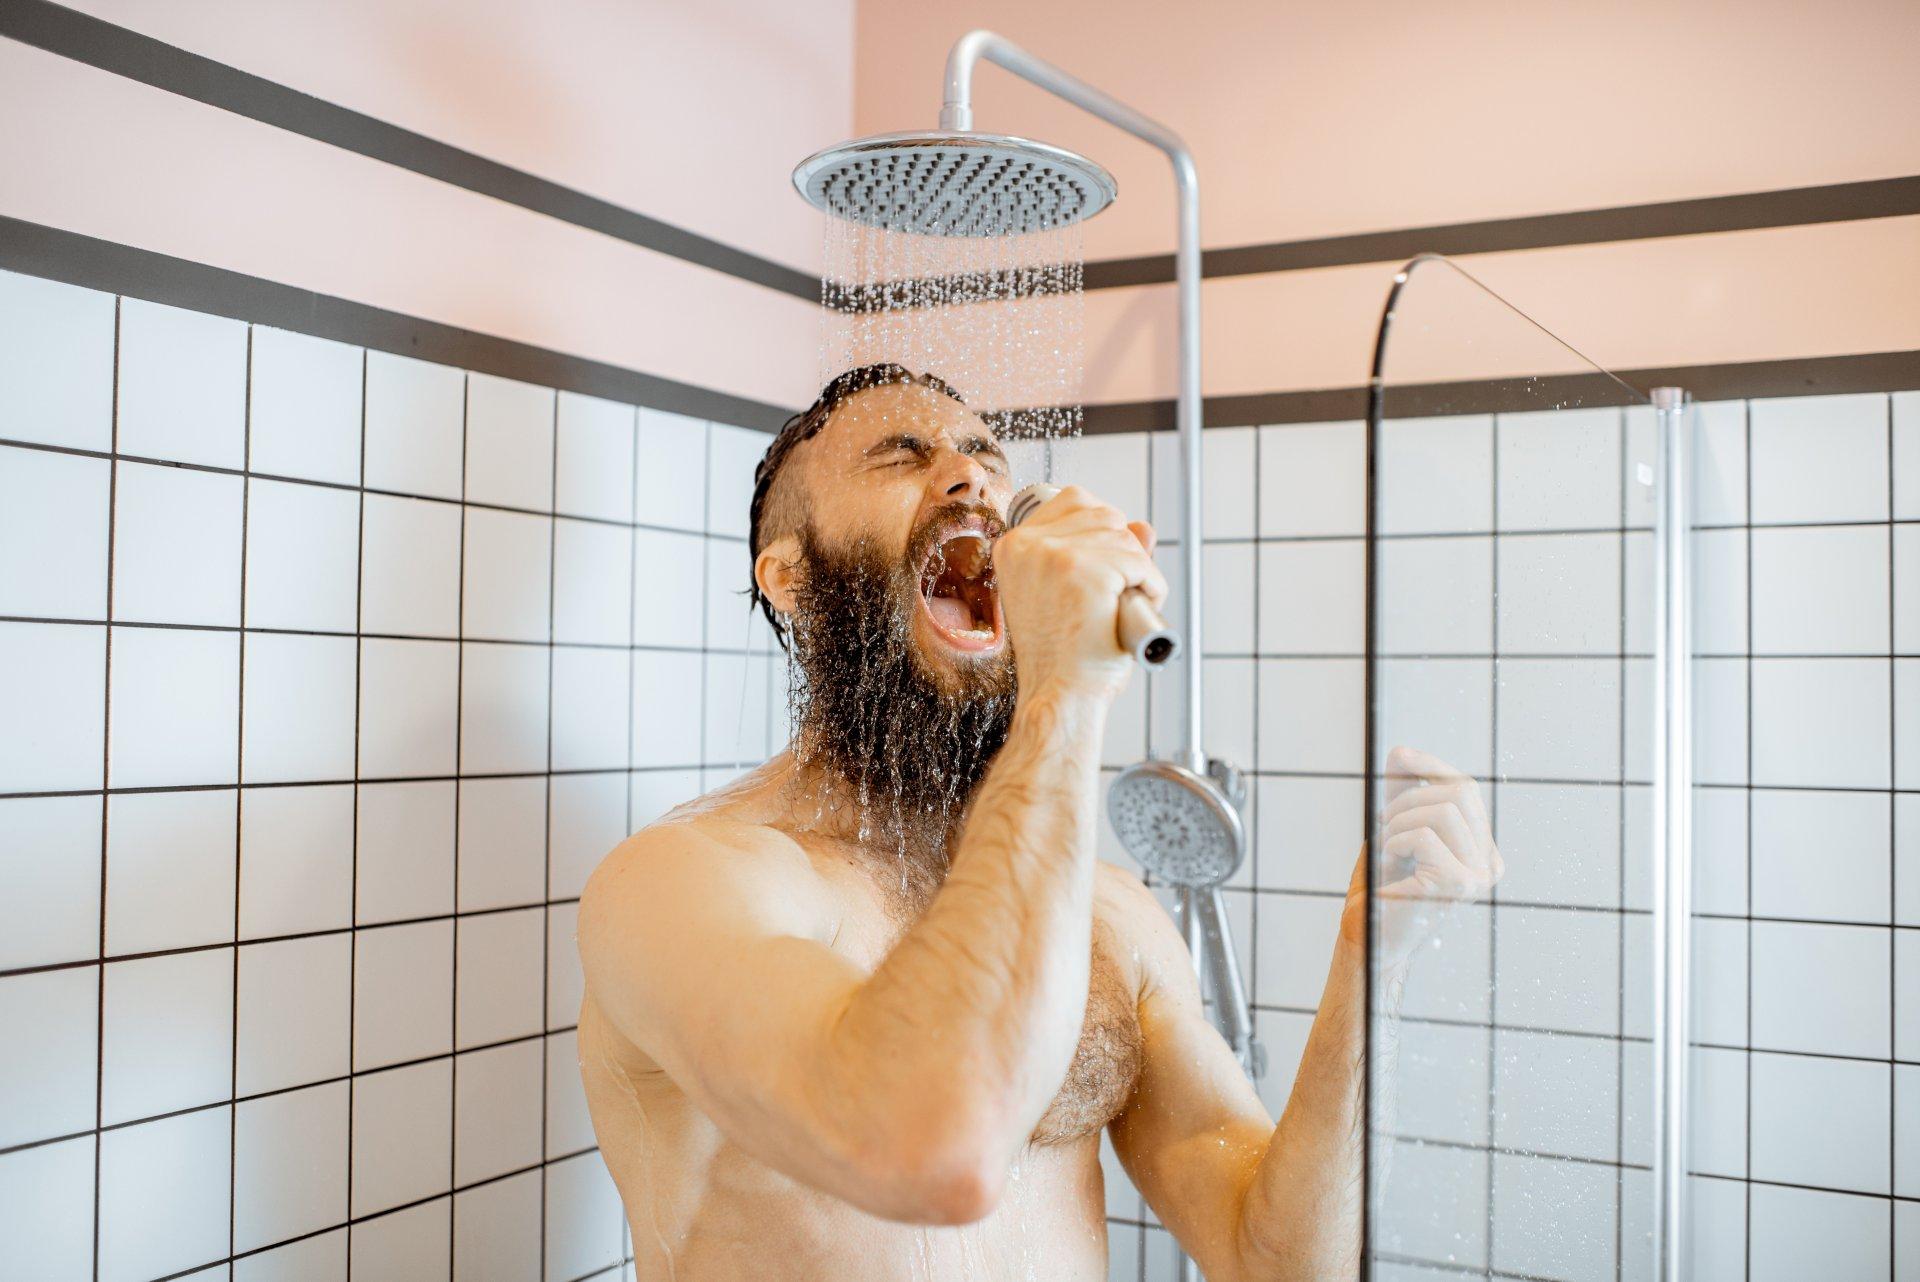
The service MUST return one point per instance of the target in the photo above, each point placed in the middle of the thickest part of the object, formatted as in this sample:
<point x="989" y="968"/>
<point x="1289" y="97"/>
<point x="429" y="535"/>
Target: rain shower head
<point x="1178" y="825"/>
<point x="954" y="183"/>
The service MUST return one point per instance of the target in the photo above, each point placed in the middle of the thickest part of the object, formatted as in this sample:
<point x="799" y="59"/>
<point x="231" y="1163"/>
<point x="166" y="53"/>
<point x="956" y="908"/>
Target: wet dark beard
<point x="903" y="745"/>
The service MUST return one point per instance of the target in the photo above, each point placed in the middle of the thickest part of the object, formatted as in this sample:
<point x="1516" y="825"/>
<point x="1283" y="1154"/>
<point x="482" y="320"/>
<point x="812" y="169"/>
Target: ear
<point x="777" y="571"/>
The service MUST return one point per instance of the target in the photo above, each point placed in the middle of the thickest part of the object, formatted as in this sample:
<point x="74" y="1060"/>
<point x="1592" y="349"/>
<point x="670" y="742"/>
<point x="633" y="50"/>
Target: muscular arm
<point x="1249" y="1199"/>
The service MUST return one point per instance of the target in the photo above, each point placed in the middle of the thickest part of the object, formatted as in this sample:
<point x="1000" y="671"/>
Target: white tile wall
<point x="397" y="653"/>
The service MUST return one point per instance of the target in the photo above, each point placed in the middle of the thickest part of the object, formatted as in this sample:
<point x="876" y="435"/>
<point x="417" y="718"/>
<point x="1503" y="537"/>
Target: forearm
<point x="1300" y="1218"/>
<point x="972" y="1018"/>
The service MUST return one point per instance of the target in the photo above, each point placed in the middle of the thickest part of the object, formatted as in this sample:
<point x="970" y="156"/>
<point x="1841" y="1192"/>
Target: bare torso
<point x="701" y="1209"/>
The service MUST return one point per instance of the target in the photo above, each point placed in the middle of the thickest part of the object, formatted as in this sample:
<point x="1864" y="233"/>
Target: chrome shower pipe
<point x="956" y="112"/>
<point x="1672" y="826"/>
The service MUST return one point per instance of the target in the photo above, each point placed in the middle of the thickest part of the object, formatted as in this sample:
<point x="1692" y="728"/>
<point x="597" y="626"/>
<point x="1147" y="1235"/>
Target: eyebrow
<point x="972" y="443"/>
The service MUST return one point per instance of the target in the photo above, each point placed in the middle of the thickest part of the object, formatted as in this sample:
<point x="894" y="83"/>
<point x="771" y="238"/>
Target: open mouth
<point x="957" y="588"/>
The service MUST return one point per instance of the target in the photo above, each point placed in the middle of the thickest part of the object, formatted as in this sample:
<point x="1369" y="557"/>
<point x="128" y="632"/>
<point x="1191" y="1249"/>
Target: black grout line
<point x="1893" y="773"/>
<point x="106" y="779"/>
<point x="1746" y="1153"/>
<point x="353" y="882"/>
<point x="546" y="827"/>
<point x="1620" y="872"/>
<point x="239" y="774"/>
<point x="459" y="762"/>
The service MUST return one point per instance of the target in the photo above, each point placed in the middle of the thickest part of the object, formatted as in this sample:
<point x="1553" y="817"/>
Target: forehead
<point x="877" y="413"/>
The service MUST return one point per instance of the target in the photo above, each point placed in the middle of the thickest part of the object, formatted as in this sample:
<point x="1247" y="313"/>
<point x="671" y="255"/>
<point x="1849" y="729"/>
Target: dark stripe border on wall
<point x="108" y="47"/>
<point x="111" y="268"/>
<point x="84" y="38"/>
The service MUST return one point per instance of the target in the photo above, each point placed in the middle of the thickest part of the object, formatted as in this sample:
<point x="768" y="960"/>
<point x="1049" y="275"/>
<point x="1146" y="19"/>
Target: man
<point x="864" y="1012"/>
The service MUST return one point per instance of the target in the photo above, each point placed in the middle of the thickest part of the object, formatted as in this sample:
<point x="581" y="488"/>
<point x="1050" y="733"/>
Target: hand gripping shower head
<point x="1138" y="627"/>
<point x="954" y="183"/>
<point x="1185" y="829"/>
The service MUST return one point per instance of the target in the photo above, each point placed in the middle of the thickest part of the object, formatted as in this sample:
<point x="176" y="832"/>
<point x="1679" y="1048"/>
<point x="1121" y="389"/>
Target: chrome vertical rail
<point x="1673" y="827"/>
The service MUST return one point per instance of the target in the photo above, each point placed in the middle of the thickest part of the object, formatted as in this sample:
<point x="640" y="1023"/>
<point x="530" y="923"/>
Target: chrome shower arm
<point x="956" y="112"/>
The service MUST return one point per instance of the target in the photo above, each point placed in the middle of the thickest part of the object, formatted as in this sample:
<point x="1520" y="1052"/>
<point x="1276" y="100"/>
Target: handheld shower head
<point x="954" y="183"/>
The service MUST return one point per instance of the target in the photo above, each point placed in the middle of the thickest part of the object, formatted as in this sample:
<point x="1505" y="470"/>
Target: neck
<point x="820" y="799"/>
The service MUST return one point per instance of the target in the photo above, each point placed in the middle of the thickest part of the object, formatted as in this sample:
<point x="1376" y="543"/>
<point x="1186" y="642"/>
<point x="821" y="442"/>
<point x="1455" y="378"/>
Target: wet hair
<point x="802" y="427"/>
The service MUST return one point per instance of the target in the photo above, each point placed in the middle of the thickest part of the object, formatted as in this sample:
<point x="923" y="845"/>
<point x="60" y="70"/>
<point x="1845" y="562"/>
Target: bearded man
<point x="864" y="1012"/>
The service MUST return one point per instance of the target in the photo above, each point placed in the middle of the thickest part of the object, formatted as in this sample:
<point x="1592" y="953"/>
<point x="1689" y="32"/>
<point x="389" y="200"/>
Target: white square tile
<point x="306" y="407"/>
<point x="319" y="1258"/>
<point x="669" y="586"/>
<point x="1806" y="1233"/>
<point x="1821" y="1121"/>
<point x="671" y="465"/>
<point x="594" y="458"/>
<point x="405" y="862"/>
<point x="1821" y="989"/>
<point x="569" y="1126"/>
<point x="497" y="1110"/>
<point x="503" y="708"/>
<point x="176" y="708"/>
<point x="410" y="567"/>
<point x="1227" y="686"/>
<point x="1313" y="479"/>
<point x="1561" y="843"/>
<point x="590" y="708"/>
<point x="1560" y="469"/>
<point x="1553" y="1219"/>
<point x="1906" y="588"/>
<point x="170" y="869"/>
<point x="592" y="583"/>
<point x="1228" y="597"/>
<point x="1820" y="722"/>
<point x="1112" y="466"/>
<point x="298" y="709"/>
<point x="53" y="534"/>
<point x="500" y="977"/>
<point x="736" y="710"/>
<point x="1123" y="1248"/>
<point x="1906" y="716"/>
<point x="666" y="708"/>
<point x="416" y="416"/>
<point x="1906" y="1241"/>
<point x="1435" y="475"/>
<point x="733" y="621"/>
<point x="1556" y="1094"/>
<point x="587" y="819"/>
<point x="1284" y="1034"/>
<point x="182" y="385"/>
<point x="1719" y="980"/>
<point x="1719" y="462"/>
<point x="56" y="366"/>
<point x="1442" y="706"/>
<point x="1312" y="597"/>
<point x="49" y="880"/>
<point x="1719" y="852"/>
<point x="46" y="1207"/>
<point x="1906" y="1130"/>
<point x="1822" y="854"/>
<point x="1559" y="718"/>
<point x="503" y="842"/>
<point x="1229" y="474"/>
<point x="296" y="860"/>
<point x="402" y="1135"/>
<point x="1295" y="940"/>
<point x="409" y="701"/>
<point x="53" y="685"/>
<point x="655" y="792"/>
<point x="1560" y="594"/>
<point x="176" y="546"/>
<point x="1308" y="832"/>
<point x="1720" y="721"/>
<point x="168" y="1034"/>
<point x="413" y="1243"/>
<point x="1441" y="1083"/>
<point x="1545" y="963"/>
<point x="1720" y="608"/>
<point x="1125" y="739"/>
<point x="732" y="455"/>
<point x="496" y="1230"/>
<point x="1906" y="455"/>
<point x="1906" y="858"/>
<point x="1820" y="591"/>
<point x="508" y="576"/>
<point x="47" y="1076"/>
<point x="276" y="1194"/>
<point x="1819" y="458"/>
<point x="566" y="983"/>
<point x="509" y="443"/>
<point x="1438" y="1201"/>
<point x="1311" y="715"/>
<point x="584" y="1218"/>
<point x="1436" y="596"/>
<point x="1717" y="1109"/>
<point x="303" y="556"/>
<point x="294" y="1012"/>
<point x="164" y="1195"/>
<point x="403" y="994"/>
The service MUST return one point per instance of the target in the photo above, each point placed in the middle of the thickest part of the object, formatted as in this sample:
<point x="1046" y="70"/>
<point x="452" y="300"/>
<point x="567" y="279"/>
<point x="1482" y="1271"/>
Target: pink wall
<point x="1322" y="119"/>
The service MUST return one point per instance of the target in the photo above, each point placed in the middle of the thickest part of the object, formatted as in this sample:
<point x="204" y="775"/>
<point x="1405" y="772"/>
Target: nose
<point x="958" y="477"/>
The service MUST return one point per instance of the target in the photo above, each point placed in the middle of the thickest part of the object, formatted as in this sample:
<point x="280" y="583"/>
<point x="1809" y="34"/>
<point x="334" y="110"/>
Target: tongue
<point x="951" y="612"/>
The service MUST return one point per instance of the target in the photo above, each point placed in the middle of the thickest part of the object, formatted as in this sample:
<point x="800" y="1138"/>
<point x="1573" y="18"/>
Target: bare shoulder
<point x="1144" y="933"/>
<point x="707" y="867"/>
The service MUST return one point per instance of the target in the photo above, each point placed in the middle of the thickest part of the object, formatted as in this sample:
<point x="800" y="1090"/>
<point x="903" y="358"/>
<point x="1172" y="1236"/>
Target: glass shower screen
<point x="1511" y="635"/>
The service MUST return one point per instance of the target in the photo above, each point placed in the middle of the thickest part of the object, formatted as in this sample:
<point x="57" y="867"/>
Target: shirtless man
<point x="864" y="1012"/>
